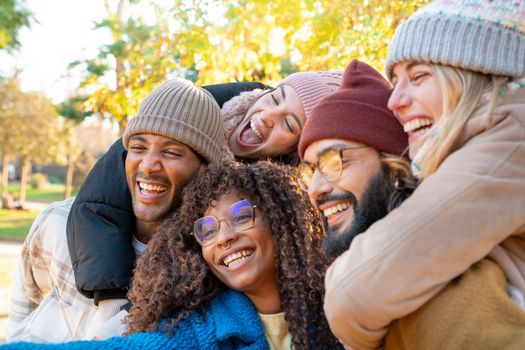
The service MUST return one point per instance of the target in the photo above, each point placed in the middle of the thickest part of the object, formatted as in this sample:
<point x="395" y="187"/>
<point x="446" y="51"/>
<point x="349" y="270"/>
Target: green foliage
<point x="13" y="17"/>
<point x="211" y="41"/>
<point x="38" y="181"/>
<point x="73" y="109"/>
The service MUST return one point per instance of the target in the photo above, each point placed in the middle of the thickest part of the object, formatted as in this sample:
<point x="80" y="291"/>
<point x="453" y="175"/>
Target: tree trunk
<point x="24" y="177"/>
<point x="70" y="168"/>
<point x="7" y="202"/>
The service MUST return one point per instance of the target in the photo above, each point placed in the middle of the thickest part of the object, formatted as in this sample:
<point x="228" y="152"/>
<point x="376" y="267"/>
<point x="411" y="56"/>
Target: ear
<point x="202" y="168"/>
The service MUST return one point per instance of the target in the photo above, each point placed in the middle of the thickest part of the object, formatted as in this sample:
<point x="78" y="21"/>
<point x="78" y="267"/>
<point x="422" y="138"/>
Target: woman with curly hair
<point x="239" y="266"/>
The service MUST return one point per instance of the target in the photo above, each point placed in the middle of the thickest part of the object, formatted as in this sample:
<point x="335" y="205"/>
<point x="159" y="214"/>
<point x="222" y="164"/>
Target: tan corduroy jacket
<point x="472" y="207"/>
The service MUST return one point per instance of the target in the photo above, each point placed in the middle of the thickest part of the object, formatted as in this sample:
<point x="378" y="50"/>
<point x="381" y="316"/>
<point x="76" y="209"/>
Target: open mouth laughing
<point x="250" y="136"/>
<point x="418" y="126"/>
<point x="237" y="257"/>
<point x="336" y="212"/>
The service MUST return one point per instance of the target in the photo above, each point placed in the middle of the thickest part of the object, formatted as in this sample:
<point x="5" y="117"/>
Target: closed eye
<point x="418" y="77"/>
<point x="274" y="99"/>
<point x="136" y="148"/>
<point x="172" y="154"/>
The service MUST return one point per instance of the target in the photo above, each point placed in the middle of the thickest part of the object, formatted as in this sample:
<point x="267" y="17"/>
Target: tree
<point x="136" y="60"/>
<point x="36" y="135"/>
<point x="13" y="17"/>
<point x="28" y="122"/>
<point x="73" y="114"/>
<point x="266" y="40"/>
<point x="10" y="97"/>
<point x="210" y="41"/>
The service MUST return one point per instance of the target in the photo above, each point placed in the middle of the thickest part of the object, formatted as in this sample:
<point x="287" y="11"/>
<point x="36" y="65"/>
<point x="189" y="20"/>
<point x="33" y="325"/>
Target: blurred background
<point x="73" y="72"/>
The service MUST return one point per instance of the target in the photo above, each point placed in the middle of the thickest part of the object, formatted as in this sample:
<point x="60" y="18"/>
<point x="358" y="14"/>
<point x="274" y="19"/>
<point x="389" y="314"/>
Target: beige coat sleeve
<point x="456" y="217"/>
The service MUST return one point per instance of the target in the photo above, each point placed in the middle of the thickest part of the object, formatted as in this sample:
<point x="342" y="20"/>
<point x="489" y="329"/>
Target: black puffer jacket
<point x="101" y="221"/>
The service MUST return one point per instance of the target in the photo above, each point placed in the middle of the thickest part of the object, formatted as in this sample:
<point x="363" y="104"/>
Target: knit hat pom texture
<point x="179" y="110"/>
<point x="486" y="36"/>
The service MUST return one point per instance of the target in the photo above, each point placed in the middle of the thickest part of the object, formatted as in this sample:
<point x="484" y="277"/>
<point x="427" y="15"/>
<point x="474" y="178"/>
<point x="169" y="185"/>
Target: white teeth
<point x="254" y="128"/>
<point x="416" y="124"/>
<point x="336" y="208"/>
<point x="148" y="187"/>
<point x="237" y="257"/>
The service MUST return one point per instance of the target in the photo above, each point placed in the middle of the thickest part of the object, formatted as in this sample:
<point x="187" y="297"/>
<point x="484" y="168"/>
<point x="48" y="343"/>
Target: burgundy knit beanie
<point x="311" y="87"/>
<point x="357" y="111"/>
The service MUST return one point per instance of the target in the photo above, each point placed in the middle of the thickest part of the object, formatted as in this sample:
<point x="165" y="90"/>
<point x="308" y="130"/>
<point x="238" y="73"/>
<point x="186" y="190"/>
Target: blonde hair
<point x="462" y="93"/>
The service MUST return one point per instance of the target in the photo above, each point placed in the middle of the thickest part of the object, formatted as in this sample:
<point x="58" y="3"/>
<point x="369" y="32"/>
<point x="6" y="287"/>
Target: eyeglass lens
<point x="240" y="217"/>
<point x="329" y="165"/>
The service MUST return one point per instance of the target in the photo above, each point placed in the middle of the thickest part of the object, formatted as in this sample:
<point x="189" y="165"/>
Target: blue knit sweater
<point x="231" y="322"/>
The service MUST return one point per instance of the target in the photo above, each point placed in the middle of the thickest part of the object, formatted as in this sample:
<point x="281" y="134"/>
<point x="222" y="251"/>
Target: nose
<point x="318" y="187"/>
<point x="226" y="235"/>
<point x="150" y="164"/>
<point x="399" y="99"/>
<point x="268" y="117"/>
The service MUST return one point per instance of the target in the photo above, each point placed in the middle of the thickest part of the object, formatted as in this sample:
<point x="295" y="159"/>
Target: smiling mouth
<point x="150" y="189"/>
<point x="250" y="136"/>
<point x="237" y="257"/>
<point x="339" y="207"/>
<point x="418" y="126"/>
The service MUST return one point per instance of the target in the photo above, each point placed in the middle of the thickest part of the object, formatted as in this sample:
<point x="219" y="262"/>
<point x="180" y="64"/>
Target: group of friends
<point x="337" y="210"/>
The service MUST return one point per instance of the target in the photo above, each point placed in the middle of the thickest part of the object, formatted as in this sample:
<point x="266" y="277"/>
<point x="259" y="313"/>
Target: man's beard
<point x="372" y="206"/>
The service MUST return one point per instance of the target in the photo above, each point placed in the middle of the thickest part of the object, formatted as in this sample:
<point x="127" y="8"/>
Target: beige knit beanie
<point x="179" y="110"/>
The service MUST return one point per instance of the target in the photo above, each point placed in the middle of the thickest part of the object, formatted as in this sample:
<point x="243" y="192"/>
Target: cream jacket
<point x="471" y="208"/>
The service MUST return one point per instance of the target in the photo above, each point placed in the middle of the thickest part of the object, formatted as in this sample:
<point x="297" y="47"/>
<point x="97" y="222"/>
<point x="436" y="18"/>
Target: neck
<point x="145" y="230"/>
<point x="267" y="301"/>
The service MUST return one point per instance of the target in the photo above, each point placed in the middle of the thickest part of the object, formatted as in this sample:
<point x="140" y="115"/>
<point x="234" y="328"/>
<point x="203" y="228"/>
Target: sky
<point x="64" y="34"/>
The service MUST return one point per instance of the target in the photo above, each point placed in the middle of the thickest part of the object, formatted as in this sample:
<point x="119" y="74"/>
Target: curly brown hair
<point x="172" y="278"/>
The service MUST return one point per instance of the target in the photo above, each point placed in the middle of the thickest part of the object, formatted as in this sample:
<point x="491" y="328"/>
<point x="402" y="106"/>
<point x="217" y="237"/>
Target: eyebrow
<point x="408" y="67"/>
<point x="329" y="148"/>
<point x="412" y="64"/>
<point x="297" y="119"/>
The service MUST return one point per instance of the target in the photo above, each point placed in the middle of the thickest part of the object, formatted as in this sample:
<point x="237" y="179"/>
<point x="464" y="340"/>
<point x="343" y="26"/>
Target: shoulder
<point x="51" y="221"/>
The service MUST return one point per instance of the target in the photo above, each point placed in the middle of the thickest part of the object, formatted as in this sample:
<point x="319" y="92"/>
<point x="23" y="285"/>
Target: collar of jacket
<point x="235" y="316"/>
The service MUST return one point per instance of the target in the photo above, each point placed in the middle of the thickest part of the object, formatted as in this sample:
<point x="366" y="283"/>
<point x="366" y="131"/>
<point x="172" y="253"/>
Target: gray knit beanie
<point x="311" y="87"/>
<point x="484" y="36"/>
<point x="179" y="110"/>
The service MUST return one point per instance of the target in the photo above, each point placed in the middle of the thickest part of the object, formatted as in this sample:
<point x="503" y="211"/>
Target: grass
<point x="51" y="193"/>
<point x="15" y="224"/>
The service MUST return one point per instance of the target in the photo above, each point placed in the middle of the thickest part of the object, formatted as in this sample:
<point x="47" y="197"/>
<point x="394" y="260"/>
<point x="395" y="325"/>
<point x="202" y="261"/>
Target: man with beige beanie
<point x="176" y="133"/>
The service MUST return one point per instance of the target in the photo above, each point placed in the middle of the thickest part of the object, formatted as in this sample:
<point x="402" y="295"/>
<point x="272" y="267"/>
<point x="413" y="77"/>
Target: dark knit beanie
<point x="179" y="110"/>
<point x="357" y="111"/>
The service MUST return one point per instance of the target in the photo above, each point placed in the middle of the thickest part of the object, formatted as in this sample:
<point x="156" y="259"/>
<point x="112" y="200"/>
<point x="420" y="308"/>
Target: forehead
<point x="312" y="152"/>
<point x="293" y="102"/>
<point x="223" y="202"/>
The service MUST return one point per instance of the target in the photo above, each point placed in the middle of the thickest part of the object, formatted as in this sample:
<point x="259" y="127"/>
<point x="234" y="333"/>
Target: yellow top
<point x="276" y="331"/>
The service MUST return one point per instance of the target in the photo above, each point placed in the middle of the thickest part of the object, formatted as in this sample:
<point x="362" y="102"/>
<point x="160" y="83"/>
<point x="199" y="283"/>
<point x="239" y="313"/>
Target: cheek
<point x="207" y="254"/>
<point x="282" y="141"/>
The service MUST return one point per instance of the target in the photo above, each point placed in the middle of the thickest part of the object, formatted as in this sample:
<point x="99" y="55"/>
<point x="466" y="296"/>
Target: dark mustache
<point x="154" y="178"/>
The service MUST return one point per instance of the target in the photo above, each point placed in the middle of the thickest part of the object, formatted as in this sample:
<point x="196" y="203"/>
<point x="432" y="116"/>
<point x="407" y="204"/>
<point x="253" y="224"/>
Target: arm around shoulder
<point x="456" y="217"/>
